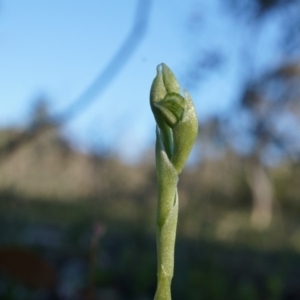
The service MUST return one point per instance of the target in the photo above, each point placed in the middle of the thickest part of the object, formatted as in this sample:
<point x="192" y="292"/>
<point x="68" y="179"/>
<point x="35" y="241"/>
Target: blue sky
<point x="57" y="48"/>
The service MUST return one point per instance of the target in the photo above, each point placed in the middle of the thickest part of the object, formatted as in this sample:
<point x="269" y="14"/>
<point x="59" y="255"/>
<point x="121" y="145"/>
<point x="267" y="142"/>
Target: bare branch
<point x="97" y="87"/>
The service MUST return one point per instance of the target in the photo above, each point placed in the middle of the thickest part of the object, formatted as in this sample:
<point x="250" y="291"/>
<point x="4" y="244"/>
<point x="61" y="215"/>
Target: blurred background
<point x="77" y="164"/>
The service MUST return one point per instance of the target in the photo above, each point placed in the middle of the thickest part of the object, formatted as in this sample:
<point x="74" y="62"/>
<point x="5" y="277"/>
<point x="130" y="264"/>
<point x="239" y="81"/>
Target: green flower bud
<point x="184" y="135"/>
<point x="175" y="116"/>
<point x="176" y="132"/>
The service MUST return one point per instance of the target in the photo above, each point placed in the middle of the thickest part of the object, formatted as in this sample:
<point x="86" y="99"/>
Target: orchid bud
<point x="175" y="116"/>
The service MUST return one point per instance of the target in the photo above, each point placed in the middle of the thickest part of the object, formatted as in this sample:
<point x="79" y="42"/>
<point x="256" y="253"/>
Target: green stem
<point x="167" y="214"/>
<point x="166" y="235"/>
<point x="176" y="132"/>
<point x="163" y="291"/>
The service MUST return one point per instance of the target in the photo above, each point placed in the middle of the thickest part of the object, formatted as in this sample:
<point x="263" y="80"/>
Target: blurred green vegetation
<point x="53" y="197"/>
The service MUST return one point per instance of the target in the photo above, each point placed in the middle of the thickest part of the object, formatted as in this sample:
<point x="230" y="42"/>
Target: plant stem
<point x="167" y="214"/>
<point x="176" y="132"/>
<point x="165" y="250"/>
